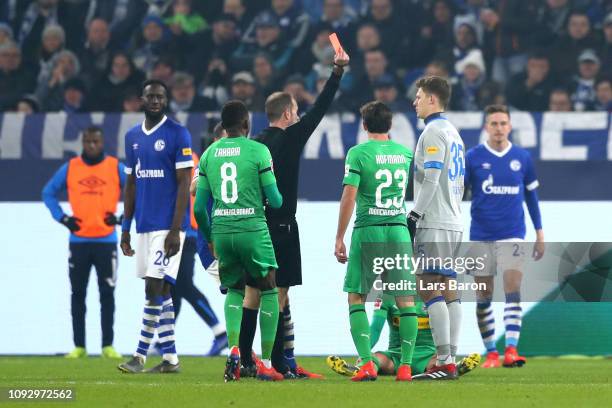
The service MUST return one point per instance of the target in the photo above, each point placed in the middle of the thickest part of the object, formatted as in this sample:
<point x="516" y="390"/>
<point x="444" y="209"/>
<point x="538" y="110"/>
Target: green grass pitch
<point x="97" y="382"/>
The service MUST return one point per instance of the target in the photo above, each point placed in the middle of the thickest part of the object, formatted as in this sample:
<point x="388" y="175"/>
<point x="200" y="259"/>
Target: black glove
<point x="111" y="219"/>
<point x="412" y="220"/>
<point x="71" y="223"/>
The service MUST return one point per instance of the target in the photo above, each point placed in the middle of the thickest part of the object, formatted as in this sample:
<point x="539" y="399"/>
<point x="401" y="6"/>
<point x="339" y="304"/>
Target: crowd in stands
<point x="93" y="55"/>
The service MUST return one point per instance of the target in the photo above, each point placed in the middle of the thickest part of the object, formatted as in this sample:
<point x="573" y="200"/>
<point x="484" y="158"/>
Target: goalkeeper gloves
<point x="111" y="219"/>
<point x="71" y="223"/>
<point x="412" y="220"/>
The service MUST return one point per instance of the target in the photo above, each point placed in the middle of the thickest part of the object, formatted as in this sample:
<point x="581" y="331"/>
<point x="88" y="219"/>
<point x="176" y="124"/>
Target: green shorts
<point x="420" y="358"/>
<point x="370" y="248"/>
<point x="244" y="257"/>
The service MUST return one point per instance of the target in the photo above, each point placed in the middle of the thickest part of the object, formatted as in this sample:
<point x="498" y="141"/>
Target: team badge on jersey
<point x="515" y="165"/>
<point x="159" y="145"/>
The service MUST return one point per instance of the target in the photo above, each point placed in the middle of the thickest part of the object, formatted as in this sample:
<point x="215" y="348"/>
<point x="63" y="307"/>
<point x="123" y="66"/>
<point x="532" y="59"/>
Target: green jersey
<point x="379" y="169"/>
<point x="236" y="169"/>
<point x="393" y="320"/>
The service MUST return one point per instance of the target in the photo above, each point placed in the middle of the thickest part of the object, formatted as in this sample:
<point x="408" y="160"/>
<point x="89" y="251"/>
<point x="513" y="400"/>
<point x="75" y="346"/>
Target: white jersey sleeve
<point x="440" y="147"/>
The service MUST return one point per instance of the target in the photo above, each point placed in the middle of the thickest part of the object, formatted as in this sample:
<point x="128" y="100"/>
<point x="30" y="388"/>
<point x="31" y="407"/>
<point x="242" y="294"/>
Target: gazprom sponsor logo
<point x="489" y="188"/>
<point x="148" y="173"/>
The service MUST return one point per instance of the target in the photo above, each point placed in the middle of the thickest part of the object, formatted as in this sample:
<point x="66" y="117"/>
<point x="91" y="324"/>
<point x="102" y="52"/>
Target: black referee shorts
<point x="286" y="241"/>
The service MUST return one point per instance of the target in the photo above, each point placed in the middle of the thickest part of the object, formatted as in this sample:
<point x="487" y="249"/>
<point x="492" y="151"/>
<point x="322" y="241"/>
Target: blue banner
<point x="572" y="151"/>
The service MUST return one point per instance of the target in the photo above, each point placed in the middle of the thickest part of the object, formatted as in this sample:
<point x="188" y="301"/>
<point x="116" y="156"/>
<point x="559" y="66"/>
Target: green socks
<point x="360" y="330"/>
<point x="408" y="332"/>
<point x="268" y="318"/>
<point x="379" y="318"/>
<point x="268" y="321"/>
<point x="233" y="315"/>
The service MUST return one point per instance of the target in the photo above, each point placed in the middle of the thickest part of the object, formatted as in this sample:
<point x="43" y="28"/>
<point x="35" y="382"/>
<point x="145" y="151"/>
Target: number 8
<point x="229" y="177"/>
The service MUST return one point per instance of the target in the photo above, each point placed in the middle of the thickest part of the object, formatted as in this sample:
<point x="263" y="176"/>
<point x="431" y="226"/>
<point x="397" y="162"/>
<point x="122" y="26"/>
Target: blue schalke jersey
<point x="498" y="181"/>
<point x="153" y="157"/>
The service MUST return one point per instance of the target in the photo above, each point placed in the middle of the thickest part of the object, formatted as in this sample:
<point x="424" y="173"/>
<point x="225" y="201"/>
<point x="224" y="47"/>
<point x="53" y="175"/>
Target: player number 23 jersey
<point x="380" y="171"/>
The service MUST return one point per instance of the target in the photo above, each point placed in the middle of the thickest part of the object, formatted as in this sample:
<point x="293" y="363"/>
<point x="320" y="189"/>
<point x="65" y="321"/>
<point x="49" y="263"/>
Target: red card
<point x="333" y="38"/>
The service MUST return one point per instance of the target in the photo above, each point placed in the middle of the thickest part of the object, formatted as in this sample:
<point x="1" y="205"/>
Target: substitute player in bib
<point x="93" y="182"/>
<point x="376" y="176"/>
<point x="502" y="176"/>
<point x="158" y="165"/>
<point x="435" y="222"/>
<point x="234" y="171"/>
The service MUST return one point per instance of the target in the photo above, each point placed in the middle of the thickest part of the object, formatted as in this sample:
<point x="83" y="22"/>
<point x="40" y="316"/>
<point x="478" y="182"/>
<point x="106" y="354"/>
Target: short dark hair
<point x="437" y="86"/>
<point x="93" y="129"/>
<point x="276" y="104"/>
<point x="496" y="108"/>
<point x="233" y="116"/>
<point x="377" y="50"/>
<point x="377" y="117"/>
<point x="155" y="82"/>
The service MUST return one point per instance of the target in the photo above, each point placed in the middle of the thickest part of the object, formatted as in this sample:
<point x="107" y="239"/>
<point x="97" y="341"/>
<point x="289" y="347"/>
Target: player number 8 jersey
<point x="237" y="169"/>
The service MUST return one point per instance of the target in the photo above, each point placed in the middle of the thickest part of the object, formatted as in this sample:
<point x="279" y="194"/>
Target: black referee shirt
<point x="286" y="147"/>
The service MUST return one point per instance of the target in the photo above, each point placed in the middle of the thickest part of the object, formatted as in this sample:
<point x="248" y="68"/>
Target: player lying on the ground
<point x="387" y="362"/>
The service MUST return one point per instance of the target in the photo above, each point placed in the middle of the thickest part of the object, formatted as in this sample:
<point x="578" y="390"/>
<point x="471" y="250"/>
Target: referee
<point x="286" y="137"/>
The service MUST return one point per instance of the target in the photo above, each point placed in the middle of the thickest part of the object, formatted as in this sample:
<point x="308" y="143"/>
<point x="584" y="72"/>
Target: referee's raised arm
<point x="302" y="130"/>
